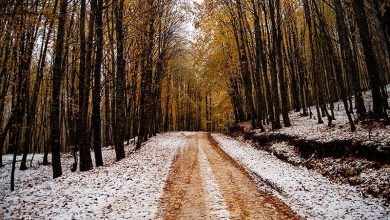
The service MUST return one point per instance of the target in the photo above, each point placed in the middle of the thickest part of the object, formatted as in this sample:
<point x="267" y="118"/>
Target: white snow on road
<point x="308" y="193"/>
<point x="216" y="205"/>
<point x="128" y="189"/>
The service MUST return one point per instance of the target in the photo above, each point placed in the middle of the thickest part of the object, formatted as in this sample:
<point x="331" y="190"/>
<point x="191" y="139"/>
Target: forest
<point x="78" y="76"/>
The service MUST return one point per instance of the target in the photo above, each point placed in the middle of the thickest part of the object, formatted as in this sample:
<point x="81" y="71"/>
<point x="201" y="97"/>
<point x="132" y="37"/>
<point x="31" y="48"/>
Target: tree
<point x="96" y="124"/>
<point x="55" y="105"/>
<point x="120" y="84"/>
<point x="84" y="73"/>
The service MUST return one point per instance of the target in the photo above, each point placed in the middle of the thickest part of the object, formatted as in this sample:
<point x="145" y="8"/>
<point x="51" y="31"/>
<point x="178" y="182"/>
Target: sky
<point x="189" y="25"/>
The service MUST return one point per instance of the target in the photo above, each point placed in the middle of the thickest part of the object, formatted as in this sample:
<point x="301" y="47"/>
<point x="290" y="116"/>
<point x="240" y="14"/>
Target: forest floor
<point x="186" y="175"/>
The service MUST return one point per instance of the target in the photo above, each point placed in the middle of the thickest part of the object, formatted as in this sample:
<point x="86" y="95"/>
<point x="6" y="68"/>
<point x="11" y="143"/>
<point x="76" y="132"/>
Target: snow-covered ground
<point x="367" y="174"/>
<point x="37" y="173"/>
<point x="128" y="189"/>
<point x="310" y="129"/>
<point x="215" y="203"/>
<point x="305" y="191"/>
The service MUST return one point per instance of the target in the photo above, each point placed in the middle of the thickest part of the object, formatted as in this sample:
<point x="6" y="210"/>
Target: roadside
<point x="337" y="157"/>
<point x="307" y="192"/>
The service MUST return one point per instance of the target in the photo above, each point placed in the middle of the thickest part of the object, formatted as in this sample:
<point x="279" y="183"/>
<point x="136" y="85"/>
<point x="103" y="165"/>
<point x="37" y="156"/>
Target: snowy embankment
<point x="128" y="189"/>
<point x="360" y="158"/>
<point x="306" y="192"/>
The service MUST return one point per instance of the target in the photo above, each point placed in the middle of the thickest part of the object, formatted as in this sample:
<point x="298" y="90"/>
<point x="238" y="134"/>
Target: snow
<point x="37" y="173"/>
<point x="216" y="205"/>
<point x="369" y="176"/>
<point x="289" y="152"/>
<point x="128" y="189"/>
<point x="308" y="193"/>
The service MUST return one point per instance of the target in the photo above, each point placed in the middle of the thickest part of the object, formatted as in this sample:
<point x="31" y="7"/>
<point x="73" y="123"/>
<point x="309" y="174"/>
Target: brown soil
<point x="185" y="194"/>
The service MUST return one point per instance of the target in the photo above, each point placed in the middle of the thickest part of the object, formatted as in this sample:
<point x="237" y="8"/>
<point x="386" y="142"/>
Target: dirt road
<point x="206" y="183"/>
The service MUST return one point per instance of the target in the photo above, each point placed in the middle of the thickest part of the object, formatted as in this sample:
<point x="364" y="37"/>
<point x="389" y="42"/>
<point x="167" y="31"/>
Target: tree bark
<point x="120" y="85"/>
<point x="83" y="141"/>
<point x="55" y="104"/>
<point x="96" y="120"/>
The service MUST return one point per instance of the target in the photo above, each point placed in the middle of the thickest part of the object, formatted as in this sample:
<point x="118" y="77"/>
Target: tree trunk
<point x="282" y="72"/>
<point x="147" y="78"/>
<point x="120" y="85"/>
<point x="82" y="139"/>
<point x="274" y="71"/>
<point x="96" y="120"/>
<point x="55" y="104"/>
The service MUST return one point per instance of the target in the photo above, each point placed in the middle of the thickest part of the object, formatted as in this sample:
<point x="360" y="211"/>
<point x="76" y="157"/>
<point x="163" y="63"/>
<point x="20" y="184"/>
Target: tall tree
<point x="82" y="139"/>
<point x="281" y="70"/>
<point x="147" y="75"/>
<point x="120" y="84"/>
<point x="96" y="120"/>
<point x="55" y="103"/>
<point x="274" y="50"/>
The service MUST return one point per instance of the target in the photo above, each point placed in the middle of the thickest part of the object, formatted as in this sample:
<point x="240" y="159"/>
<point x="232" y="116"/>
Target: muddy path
<point x="206" y="183"/>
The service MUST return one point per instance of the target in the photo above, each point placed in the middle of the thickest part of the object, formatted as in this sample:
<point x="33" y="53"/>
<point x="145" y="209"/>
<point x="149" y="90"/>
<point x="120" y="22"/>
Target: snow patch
<point x="215" y="203"/>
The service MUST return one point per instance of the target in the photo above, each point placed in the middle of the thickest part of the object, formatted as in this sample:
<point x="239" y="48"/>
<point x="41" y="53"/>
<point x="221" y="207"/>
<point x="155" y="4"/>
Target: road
<point x="206" y="183"/>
